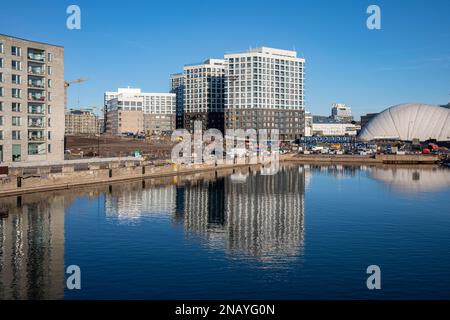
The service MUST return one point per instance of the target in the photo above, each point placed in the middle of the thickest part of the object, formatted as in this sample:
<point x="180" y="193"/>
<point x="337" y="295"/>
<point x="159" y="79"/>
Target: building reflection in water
<point x="32" y="247"/>
<point x="262" y="218"/>
<point x="412" y="179"/>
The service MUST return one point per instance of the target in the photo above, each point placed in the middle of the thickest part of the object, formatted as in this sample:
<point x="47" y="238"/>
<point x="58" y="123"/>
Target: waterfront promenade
<point x="26" y="178"/>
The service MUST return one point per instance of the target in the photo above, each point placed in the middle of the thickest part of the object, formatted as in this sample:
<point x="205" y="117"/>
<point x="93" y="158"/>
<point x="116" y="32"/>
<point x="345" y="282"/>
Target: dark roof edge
<point x="23" y="39"/>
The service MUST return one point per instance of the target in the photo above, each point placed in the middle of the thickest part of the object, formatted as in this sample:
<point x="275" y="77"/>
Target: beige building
<point x="131" y="111"/>
<point x="31" y="101"/>
<point x="82" y="121"/>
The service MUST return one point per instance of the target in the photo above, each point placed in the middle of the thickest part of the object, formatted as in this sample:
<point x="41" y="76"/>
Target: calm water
<point x="308" y="232"/>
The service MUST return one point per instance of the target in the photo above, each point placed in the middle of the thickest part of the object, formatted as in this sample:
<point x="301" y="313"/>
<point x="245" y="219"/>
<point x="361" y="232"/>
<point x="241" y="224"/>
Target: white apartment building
<point x="341" y="112"/>
<point x="31" y="101"/>
<point x="133" y="111"/>
<point x="265" y="90"/>
<point x="334" y="129"/>
<point x="204" y="94"/>
<point x="308" y="124"/>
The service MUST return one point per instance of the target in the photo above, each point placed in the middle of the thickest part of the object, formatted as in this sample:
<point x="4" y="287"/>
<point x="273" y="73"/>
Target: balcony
<point x="36" y="82"/>
<point x="36" y="69"/>
<point x="36" y="95"/>
<point x="36" y="135"/>
<point x="36" y="109"/>
<point x="36" y="55"/>
<point x="36" y="148"/>
<point x="36" y="122"/>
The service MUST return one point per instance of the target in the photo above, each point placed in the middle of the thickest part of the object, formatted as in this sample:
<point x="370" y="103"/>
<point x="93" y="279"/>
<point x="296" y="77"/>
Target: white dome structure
<point x="407" y="122"/>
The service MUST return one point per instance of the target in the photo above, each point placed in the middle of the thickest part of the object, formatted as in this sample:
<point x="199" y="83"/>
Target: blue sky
<point x="140" y="43"/>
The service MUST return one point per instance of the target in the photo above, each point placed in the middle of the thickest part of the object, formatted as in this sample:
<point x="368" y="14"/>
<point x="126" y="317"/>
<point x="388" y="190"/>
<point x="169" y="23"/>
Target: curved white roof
<point x="409" y="121"/>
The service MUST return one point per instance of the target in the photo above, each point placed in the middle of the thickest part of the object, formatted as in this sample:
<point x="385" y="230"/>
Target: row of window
<point x="35" y="108"/>
<point x="32" y="135"/>
<point x="32" y="121"/>
<point x="36" y="95"/>
<point x="33" y="149"/>
<point x="32" y="81"/>
<point x="263" y="59"/>
<point x="32" y="67"/>
<point x="36" y="54"/>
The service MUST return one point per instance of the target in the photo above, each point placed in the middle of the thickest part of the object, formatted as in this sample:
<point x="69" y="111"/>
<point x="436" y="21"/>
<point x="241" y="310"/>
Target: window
<point x="15" y="78"/>
<point x="49" y="148"/>
<point x="16" y="107"/>
<point x="50" y="57"/>
<point x="48" y="122"/>
<point x="49" y="135"/>
<point x="1" y="135"/>
<point x="1" y="62"/>
<point x="16" y="121"/>
<point x="16" y="152"/>
<point x="1" y="77"/>
<point x="49" y="96"/>
<point x="1" y="105"/>
<point x="49" y="83"/>
<point x="1" y="153"/>
<point x="16" y="51"/>
<point x="16" y="135"/>
<point x="1" y="92"/>
<point x="16" y="65"/>
<point x="49" y="109"/>
<point x="1" y="47"/>
<point x="1" y="120"/>
<point x="16" y="93"/>
<point x="49" y="69"/>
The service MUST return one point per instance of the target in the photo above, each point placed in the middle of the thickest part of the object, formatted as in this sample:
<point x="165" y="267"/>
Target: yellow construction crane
<point x="66" y="85"/>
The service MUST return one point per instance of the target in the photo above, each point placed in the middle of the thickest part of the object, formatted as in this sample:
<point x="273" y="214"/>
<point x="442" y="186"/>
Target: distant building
<point x="204" y="94"/>
<point x="31" y="101"/>
<point x="177" y="87"/>
<point x="132" y="112"/>
<point x="334" y="129"/>
<point x="366" y="118"/>
<point x="446" y="105"/>
<point x="265" y="90"/>
<point x="341" y="112"/>
<point x="308" y="124"/>
<point x="83" y="121"/>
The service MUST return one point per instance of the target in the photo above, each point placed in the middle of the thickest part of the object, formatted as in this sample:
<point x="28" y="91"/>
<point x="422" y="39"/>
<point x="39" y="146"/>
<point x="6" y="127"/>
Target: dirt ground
<point x="111" y="146"/>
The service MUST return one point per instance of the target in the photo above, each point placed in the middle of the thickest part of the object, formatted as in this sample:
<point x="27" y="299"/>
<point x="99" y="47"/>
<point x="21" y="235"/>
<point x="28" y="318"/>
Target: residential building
<point x="204" y="94"/>
<point x="132" y="112"/>
<point x="341" y="112"/>
<point x="82" y="122"/>
<point x="31" y="101"/>
<point x="177" y="87"/>
<point x="265" y="90"/>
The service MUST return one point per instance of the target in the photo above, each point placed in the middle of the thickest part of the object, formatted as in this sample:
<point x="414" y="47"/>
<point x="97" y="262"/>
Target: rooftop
<point x="22" y="39"/>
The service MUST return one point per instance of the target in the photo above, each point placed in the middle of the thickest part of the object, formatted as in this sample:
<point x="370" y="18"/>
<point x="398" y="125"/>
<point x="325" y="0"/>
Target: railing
<point x="36" y="125"/>
<point x="36" y="111"/>
<point x="38" y="71"/>
<point x="36" y="85"/>
<point x="36" y="56"/>
<point x="34" y="98"/>
<point x="31" y="138"/>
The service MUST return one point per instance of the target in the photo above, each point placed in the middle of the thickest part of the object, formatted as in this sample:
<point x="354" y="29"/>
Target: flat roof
<point x="23" y="39"/>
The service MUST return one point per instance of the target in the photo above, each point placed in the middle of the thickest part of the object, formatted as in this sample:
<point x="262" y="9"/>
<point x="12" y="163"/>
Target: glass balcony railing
<point x="36" y="84"/>
<point x="36" y="135"/>
<point x="36" y="56"/>
<point x="36" y="110"/>
<point x="36" y="97"/>
<point x="36" y="70"/>
<point x="36" y="122"/>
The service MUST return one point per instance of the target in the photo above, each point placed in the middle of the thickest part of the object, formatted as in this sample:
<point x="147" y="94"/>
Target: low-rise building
<point x="134" y="112"/>
<point x="83" y="121"/>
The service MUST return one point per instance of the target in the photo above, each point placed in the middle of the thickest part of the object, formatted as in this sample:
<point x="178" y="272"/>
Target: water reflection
<point x="412" y="179"/>
<point x="32" y="248"/>
<point x="240" y="212"/>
